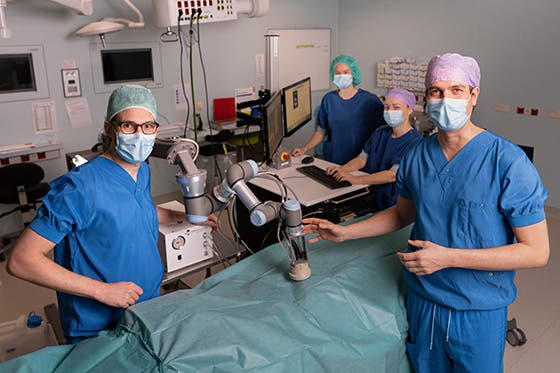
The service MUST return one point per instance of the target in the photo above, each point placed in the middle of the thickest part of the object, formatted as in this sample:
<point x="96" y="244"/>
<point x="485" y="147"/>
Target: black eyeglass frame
<point x="136" y="125"/>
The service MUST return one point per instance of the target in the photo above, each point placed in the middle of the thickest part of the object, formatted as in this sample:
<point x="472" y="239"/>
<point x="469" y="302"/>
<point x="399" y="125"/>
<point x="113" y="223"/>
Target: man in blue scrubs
<point x="477" y="204"/>
<point x="347" y="116"/>
<point x="102" y="224"/>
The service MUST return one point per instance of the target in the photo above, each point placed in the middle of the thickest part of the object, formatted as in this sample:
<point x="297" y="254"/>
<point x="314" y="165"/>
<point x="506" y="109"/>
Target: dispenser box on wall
<point x="168" y="12"/>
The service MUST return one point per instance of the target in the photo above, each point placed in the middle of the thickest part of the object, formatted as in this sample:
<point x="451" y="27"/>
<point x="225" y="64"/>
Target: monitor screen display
<point x="297" y="105"/>
<point x="127" y="65"/>
<point x="273" y="129"/>
<point x="16" y="73"/>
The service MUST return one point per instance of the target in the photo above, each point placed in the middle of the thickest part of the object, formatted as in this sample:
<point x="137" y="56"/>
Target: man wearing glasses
<point x="102" y="223"/>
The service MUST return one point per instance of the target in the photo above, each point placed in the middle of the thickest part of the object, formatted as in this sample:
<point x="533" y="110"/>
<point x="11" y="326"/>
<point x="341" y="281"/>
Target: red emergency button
<point x="284" y="156"/>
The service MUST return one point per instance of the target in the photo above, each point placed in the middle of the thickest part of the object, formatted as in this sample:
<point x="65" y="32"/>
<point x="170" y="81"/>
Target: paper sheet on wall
<point x="78" y="112"/>
<point x="44" y="117"/>
<point x="179" y="96"/>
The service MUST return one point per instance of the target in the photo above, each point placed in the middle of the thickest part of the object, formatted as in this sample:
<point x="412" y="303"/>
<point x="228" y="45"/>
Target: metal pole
<point x="272" y="72"/>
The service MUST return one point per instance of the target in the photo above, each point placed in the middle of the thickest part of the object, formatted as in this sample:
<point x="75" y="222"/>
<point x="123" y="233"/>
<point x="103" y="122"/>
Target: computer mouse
<point x="307" y="160"/>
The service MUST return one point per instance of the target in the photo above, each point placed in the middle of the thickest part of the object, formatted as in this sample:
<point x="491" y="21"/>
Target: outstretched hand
<point x="324" y="229"/>
<point x="429" y="257"/>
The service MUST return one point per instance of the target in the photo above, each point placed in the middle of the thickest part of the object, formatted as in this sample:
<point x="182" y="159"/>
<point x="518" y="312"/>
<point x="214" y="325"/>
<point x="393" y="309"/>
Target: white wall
<point x="229" y="50"/>
<point x="514" y="41"/>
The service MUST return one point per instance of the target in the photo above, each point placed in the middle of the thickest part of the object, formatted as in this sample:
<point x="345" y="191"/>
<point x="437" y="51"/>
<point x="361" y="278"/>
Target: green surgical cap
<point x="128" y="97"/>
<point x="352" y="64"/>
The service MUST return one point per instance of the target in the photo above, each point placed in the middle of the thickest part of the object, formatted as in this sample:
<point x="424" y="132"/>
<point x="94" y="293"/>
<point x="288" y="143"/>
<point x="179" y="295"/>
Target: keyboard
<point x="319" y="175"/>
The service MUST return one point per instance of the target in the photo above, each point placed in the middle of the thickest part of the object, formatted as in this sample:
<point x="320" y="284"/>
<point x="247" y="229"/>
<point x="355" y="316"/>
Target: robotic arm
<point x="198" y="204"/>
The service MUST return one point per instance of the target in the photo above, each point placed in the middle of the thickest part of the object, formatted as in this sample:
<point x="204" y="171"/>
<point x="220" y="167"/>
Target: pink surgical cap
<point x="403" y="95"/>
<point x="453" y="66"/>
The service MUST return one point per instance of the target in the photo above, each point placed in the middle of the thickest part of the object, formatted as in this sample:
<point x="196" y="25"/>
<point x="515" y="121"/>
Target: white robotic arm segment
<point x="199" y="205"/>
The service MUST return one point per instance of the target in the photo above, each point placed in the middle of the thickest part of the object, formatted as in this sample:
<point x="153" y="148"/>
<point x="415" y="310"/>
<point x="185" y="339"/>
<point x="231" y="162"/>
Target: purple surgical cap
<point x="403" y="95"/>
<point x="453" y="66"/>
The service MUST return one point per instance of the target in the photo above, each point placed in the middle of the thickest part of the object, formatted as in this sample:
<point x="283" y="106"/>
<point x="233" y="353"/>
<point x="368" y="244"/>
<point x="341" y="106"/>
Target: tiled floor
<point x="537" y="308"/>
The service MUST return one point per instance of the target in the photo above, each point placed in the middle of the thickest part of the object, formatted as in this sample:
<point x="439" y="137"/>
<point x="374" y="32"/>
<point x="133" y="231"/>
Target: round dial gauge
<point x="178" y="242"/>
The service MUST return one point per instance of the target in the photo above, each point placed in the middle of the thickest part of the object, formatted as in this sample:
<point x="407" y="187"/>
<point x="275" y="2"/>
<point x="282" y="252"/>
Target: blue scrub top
<point x="105" y="227"/>
<point x="348" y="123"/>
<point x="384" y="152"/>
<point x="472" y="201"/>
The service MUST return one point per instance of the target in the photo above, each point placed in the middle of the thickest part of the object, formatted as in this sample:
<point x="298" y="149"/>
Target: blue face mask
<point x="448" y="114"/>
<point x="393" y="117"/>
<point x="135" y="147"/>
<point x="342" y="80"/>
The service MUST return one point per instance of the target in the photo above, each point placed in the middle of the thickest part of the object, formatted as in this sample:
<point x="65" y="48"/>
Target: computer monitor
<point x="273" y="126"/>
<point x="296" y="99"/>
<point x="22" y="73"/>
<point x="127" y="65"/>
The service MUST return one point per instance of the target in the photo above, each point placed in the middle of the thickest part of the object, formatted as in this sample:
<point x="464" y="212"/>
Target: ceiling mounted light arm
<point x="5" y="32"/>
<point x="111" y="24"/>
<point x="128" y="22"/>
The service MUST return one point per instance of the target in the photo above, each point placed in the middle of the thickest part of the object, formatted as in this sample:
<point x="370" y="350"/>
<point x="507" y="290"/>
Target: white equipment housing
<point x="168" y="12"/>
<point x="183" y="244"/>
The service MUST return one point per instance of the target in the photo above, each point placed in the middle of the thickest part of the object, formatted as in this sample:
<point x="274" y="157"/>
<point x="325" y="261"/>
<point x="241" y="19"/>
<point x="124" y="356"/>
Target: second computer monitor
<point x="273" y="128"/>
<point x="296" y="99"/>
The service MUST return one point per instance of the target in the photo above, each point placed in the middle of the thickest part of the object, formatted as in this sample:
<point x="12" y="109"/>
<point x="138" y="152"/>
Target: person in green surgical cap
<point x="347" y="116"/>
<point x="103" y="225"/>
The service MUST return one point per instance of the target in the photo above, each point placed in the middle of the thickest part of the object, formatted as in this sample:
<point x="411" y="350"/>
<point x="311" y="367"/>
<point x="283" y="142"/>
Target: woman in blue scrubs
<point x="102" y="224"/>
<point x="384" y="150"/>
<point x="347" y="117"/>
<point x="477" y="204"/>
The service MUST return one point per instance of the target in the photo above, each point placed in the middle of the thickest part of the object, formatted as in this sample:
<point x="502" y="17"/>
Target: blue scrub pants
<point x="442" y="339"/>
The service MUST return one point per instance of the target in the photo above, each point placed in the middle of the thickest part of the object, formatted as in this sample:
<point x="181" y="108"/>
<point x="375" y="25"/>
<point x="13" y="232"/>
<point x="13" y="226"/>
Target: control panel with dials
<point x="183" y="244"/>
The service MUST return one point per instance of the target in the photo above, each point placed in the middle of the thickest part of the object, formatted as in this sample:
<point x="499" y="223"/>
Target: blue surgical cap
<point x="128" y="97"/>
<point x="352" y="64"/>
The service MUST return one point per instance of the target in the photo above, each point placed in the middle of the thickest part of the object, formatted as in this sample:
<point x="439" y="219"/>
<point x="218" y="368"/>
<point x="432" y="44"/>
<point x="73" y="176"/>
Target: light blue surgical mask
<point x="448" y="114"/>
<point x="393" y="118"/>
<point x="342" y="80"/>
<point x="135" y="147"/>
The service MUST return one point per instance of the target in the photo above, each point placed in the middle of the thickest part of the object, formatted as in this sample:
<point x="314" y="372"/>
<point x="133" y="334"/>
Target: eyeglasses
<point x="148" y="128"/>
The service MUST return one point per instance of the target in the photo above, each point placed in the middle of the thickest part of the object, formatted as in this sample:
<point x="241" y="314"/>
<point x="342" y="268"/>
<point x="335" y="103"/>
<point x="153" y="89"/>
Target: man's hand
<point x="118" y="294"/>
<point x="429" y="257"/>
<point x="324" y="228"/>
<point x="211" y="222"/>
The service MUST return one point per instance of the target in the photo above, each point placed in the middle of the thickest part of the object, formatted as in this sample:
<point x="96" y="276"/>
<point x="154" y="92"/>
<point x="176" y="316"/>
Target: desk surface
<point x="308" y="191"/>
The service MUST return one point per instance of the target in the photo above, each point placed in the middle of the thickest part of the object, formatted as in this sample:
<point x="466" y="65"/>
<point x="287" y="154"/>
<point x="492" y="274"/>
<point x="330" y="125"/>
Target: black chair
<point x="22" y="185"/>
